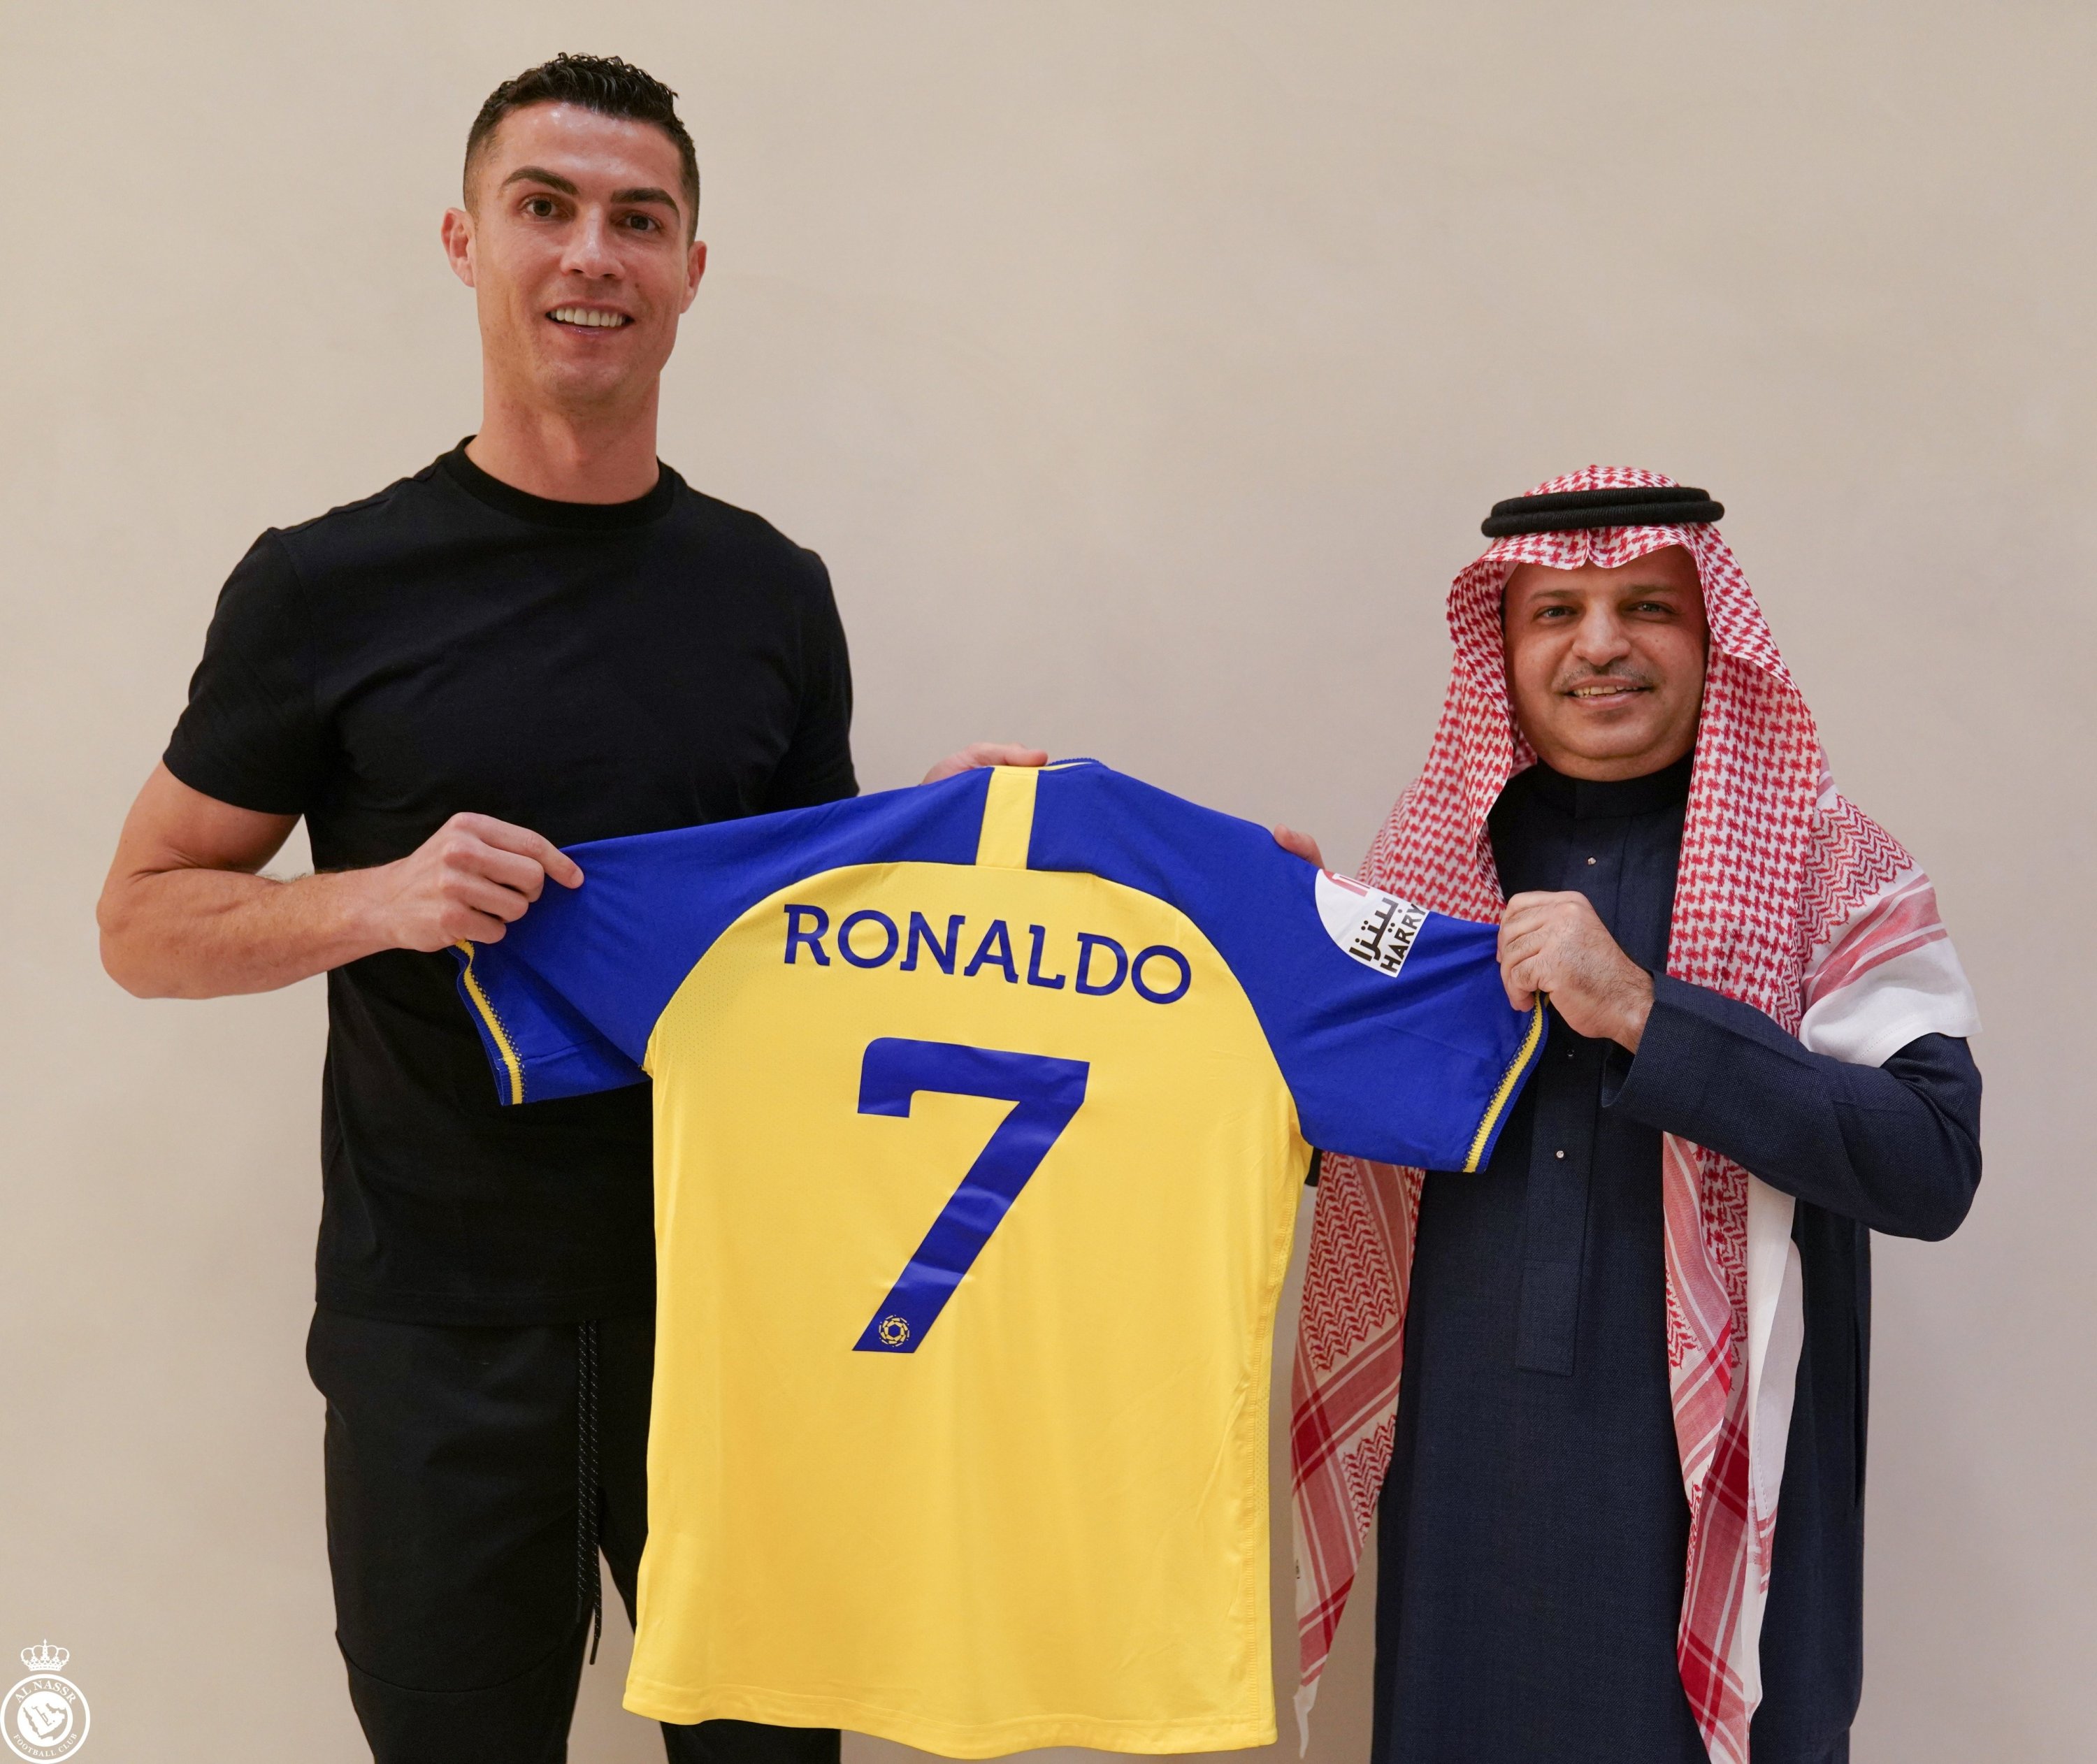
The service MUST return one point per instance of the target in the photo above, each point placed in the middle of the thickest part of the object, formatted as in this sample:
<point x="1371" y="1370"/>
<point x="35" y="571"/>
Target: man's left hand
<point x="985" y="753"/>
<point x="1301" y="844"/>
<point x="1554" y="943"/>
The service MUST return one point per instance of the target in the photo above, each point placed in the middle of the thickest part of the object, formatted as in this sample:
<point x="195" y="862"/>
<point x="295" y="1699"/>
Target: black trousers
<point x="472" y="1475"/>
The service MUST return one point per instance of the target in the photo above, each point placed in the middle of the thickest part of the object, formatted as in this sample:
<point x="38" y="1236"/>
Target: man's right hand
<point x="183" y="914"/>
<point x="470" y="880"/>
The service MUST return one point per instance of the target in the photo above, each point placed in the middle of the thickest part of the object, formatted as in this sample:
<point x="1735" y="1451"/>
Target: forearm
<point x="198" y="933"/>
<point x="1896" y="1147"/>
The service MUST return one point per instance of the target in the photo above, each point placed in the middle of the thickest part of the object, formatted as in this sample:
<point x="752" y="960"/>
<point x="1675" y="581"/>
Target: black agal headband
<point x="1661" y="506"/>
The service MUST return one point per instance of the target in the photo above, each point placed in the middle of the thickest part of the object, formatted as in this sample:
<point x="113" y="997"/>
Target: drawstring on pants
<point x="589" y="1491"/>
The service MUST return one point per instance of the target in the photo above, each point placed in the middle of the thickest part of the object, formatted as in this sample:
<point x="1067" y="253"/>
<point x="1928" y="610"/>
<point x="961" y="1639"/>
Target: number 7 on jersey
<point x="1045" y="1094"/>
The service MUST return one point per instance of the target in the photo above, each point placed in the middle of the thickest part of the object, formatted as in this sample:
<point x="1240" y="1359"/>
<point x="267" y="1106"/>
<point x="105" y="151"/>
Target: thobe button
<point x="1560" y="1152"/>
<point x="1590" y="860"/>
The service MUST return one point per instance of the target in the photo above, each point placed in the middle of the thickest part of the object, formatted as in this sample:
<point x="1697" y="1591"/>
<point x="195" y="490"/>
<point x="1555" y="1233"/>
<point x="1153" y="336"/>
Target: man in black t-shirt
<point x="543" y="637"/>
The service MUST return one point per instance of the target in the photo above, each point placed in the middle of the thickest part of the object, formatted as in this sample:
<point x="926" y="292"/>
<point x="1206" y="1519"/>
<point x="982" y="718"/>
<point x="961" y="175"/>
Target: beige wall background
<point x="1142" y="372"/>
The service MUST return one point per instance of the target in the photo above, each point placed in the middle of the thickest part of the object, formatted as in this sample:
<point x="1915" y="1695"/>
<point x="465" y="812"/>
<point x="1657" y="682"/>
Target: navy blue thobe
<point x="1532" y="1529"/>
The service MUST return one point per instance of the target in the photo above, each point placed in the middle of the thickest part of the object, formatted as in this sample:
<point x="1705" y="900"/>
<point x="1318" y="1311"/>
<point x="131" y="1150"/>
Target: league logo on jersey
<point x="1375" y="928"/>
<point x="45" y="1717"/>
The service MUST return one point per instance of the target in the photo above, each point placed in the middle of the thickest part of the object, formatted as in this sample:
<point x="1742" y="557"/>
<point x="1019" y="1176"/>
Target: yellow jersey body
<point x="976" y="1177"/>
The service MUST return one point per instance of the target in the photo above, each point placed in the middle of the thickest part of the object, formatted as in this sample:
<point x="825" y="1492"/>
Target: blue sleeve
<point x="1389" y="1024"/>
<point x="565" y="1004"/>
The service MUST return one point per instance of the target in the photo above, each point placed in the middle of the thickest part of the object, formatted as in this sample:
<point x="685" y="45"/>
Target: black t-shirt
<point x="583" y="670"/>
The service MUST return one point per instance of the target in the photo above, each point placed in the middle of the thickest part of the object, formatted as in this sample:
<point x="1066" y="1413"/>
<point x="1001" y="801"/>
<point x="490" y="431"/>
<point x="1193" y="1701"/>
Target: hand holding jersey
<point x="1552" y="946"/>
<point x="473" y="877"/>
<point x="476" y="875"/>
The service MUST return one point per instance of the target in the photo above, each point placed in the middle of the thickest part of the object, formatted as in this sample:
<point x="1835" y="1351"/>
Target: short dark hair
<point x="602" y="83"/>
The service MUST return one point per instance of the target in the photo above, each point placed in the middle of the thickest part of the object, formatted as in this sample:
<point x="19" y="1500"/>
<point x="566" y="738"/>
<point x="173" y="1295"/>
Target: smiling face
<point x="1606" y="668"/>
<point x="577" y="244"/>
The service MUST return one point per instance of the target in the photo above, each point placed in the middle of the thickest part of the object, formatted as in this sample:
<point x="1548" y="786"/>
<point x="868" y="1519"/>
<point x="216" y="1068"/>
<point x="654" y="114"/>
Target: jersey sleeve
<point x="1390" y="1023"/>
<point x="1409" y="1053"/>
<point x="565" y="1004"/>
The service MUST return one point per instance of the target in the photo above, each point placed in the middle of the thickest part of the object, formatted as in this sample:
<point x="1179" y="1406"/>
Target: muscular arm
<point x="184" y="915"/>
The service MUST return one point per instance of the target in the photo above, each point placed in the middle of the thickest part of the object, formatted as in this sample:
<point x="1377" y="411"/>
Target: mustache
<point x="1583" y="676"/>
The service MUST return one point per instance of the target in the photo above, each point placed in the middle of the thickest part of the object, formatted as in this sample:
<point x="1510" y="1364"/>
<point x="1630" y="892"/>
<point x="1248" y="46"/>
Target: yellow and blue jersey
<point x="982" y="1109"/>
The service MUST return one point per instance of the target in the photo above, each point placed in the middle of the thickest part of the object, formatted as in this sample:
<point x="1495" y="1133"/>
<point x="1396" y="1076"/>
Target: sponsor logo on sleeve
<point x="1376" y="928"/>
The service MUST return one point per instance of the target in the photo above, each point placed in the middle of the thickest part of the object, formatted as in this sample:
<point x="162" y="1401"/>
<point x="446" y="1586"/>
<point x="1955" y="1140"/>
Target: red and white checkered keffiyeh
<point x="1788" y="898"/>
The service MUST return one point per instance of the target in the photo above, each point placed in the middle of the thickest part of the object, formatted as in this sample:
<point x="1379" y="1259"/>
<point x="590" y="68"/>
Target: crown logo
<point x="43" y="1658"/>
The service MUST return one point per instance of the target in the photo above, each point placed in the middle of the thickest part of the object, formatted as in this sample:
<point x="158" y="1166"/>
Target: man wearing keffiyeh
<point x="1608" y="1395"/>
